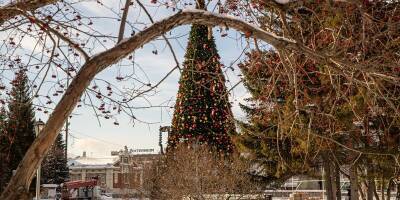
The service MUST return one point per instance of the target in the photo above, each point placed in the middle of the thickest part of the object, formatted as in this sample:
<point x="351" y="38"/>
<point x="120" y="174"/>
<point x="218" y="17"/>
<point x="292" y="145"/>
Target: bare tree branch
<point x="45" y="26"/>
<point x="163" y="35"/>
<point x="7" y="12"/>
<point x="154" y="86"/>
<point x="19" y="184"/>
<point x="123" y="21"/>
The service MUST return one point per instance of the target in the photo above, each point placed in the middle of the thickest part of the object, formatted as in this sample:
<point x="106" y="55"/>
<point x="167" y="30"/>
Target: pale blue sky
<point x="85" y="132"/>
<point x="99" y="141"/>
<point x="142" y="135"/>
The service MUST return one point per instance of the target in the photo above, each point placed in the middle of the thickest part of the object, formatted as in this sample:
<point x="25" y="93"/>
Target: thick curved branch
<point x="20" y="182"/>
<point x="7" y="12"/>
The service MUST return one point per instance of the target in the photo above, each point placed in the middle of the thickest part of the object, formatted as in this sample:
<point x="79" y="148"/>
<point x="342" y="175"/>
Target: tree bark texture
<point x="329" y="173"/>
<point x="337" y="181"/>
<point x="389" y="189"/>
<point x="353" y="183"/>
<point x="8" y="11"/>
<point x="370" y="184"/>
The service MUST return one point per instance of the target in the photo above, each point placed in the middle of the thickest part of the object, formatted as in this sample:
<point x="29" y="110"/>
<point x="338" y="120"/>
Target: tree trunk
<point x="376" y="193"/>
<point x="370" y="184"/>
<point x="333" y="180"/>
<point x="370" y="190"/>
<point x="383" y="188"/>
<point x="389" y="189"/>
<point x="353" y="183"/>
<point x="361" y="191"/>
<point x="329" y="183"/>
<point x="337" y="181"/>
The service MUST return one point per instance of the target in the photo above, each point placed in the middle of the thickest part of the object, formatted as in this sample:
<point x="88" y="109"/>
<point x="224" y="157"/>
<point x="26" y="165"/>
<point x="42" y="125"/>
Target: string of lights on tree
<point x="202" y="111"/>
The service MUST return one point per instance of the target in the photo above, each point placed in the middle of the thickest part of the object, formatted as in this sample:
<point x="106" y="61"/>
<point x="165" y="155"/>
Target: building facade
<point x="132" y="167"/>
<point x="86" y="168"/>
<point x="122" y="172"/>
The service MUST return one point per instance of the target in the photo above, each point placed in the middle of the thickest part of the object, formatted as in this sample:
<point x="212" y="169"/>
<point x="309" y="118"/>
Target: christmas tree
<point x="19" y="132"/>
<point x="202" y="110"/>
<point x="54" y="165"/>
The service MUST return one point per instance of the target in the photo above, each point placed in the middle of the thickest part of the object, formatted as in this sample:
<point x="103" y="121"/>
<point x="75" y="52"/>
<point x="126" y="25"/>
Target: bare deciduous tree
<point x="25" y="172"/>
<point x="51" y="31"/>
<point x="196" y="172"/>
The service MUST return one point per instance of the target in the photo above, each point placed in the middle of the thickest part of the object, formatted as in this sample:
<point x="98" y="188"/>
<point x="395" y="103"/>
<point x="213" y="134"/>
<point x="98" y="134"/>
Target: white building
<point x="85" y="168"/>
<point x="119" y="173"/>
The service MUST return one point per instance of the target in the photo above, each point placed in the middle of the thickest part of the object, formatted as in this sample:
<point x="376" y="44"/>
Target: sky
<point x="99" y="137"/>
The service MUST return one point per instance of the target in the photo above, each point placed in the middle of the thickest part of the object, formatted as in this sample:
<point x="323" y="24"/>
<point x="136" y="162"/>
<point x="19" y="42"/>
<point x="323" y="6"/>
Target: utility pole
<point x="160" y="142"/>
<point x="39" y="125"/>
<point x="66" y="127"/>
<point x="66" y="138"/>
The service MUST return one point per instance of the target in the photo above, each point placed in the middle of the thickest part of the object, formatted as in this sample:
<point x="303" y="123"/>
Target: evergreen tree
<point x="20" y="131"/>
<point x="303" y="115"/>
<point x="54" y="165"/>
<point x="273" y="137"/>
<point x="202" y="110"/>
<point x="3" y="154"/>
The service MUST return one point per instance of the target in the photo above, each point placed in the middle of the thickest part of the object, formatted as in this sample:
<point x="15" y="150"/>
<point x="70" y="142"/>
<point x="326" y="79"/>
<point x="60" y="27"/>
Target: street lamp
<point x="39" y="125"/>
<point x="163" y="129"/>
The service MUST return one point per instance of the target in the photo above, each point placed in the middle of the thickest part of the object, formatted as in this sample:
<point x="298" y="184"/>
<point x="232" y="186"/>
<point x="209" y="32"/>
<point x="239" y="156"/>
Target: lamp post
<point x="38" y="127"/>
<point x="163" y="129"/>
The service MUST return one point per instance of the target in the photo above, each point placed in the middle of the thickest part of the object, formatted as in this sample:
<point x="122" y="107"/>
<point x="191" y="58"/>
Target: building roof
<point x="84" y="161"/>
<point x="49" y="185"/>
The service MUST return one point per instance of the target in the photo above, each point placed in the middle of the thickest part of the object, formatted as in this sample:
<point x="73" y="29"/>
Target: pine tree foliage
<point x="302" y="111"/>
<point x="54" y="166"/>
<point x="3" y="154"/>
<point x="202" y="111"/>
<point x="19" y="131"/>
<point x="274" y="138"/>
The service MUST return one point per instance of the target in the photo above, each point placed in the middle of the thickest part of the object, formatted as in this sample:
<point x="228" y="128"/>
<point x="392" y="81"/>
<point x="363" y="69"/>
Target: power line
<point x="96" y="138"/>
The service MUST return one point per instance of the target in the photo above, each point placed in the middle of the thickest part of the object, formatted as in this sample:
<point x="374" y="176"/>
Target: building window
<point x="126" y="179"/>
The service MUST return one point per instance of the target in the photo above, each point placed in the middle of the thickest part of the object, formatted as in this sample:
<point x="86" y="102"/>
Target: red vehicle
<point x="80" y="189"/>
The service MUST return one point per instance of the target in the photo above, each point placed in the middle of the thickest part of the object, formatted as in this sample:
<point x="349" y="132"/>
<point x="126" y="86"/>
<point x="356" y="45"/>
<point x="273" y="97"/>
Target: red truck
<point x="82" y="189"/>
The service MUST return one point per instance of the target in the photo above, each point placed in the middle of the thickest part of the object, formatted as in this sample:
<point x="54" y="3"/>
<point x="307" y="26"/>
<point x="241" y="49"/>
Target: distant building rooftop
<point x="92" y="162"/>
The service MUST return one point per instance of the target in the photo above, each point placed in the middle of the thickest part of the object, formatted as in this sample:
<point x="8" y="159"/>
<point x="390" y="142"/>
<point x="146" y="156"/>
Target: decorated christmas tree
<point x="202" y="110"/>
<point x="54" y="165"/>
